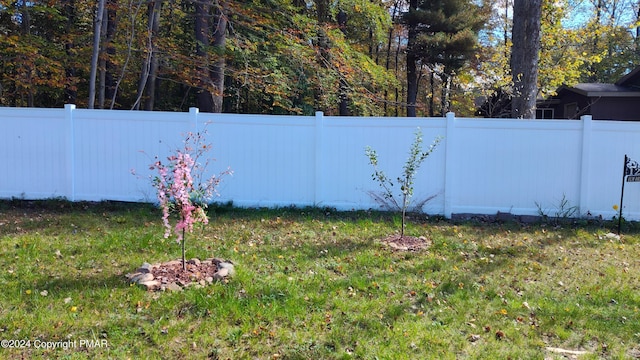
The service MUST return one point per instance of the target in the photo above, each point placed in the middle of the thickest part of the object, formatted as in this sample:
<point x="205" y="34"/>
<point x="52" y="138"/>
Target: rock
<point x="221" y="274"/>
<point x="612" y="236"/>
<point x="132" y="275"/>
<point x="173" y="287"/>
<point x="229" y="266"/>
<point x="145" y="268"/>
<point x="218" y="261"/>
<point x="142" y="277"/>
<point x="169" y="276"/>
<point x="151" y="285"/>
<point x="565" y="351"/>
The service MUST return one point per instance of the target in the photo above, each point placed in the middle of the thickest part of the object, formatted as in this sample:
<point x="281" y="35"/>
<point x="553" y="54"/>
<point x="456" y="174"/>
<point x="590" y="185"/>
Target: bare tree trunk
<point x="153" y="69"/>
<point x="96" y="51"/>
<point x="524" y="57"/>
<point x="70" y="71"/>
<point x="202" y="30"/>
<point x="397" y="72"/>
<point x="219" y="43"/>
<point x="432" y="86"/>
<point x="344" y="88"/>
<point x="149" y="72"/>
<point x="106" y="67"/>
<point x="446" y="93"/>
<point x="110" y="51"/>
<point x="637" y="38"/>
<point x="389" y="40"/>
<point x="26" y="30"/>
<point x="102" y="61"/>
<point x="412" y="75"/>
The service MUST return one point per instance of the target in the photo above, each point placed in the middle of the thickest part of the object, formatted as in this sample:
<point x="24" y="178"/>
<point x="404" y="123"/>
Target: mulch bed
<point x="407" y="243"/>
<point x="171" y="272"/>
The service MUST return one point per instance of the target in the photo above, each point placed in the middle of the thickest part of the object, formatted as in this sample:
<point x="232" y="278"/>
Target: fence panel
<point x="272" y="158"/>
<point x="611" y="140"/>
<point x="34" y="145"/>
<point x="346" y="178"/>
<point x="516" y="165"/>
<point x="482" y="166"/>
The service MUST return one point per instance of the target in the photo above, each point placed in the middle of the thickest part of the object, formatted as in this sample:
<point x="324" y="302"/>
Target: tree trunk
<point x="412" y="75"/>
<point x="432" y="86"/>
<point x="149" y="72"/>
<point x="109" y="84"/>
<point x="106" y="66"/>
<point x="70" y="92"/>
<point x="388" y="60"/>
<point x="94" y="55"/>
<point x="202" y="30"/>
<point x="397" y="73"/>
<point x="219" y="44"/>
<point x="446" y="93"/>
<point x="26" y="31"/>
<point x="637" y="38"/>
<point x="102" y="62"/>
<point x="524" y="57"/>
<point x="344" y="88"/>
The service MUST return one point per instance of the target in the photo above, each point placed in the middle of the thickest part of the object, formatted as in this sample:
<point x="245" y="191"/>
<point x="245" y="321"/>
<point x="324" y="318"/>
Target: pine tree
<point x="443" y="36"/>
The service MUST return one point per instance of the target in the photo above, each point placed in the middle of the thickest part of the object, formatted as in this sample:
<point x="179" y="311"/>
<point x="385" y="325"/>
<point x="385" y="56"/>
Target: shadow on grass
<point x="83" y="283"/>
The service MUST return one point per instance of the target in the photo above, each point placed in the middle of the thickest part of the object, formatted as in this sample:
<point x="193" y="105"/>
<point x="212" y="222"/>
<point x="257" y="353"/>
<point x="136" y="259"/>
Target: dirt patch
<point x="172" y="272"/>
<point x="407" y="243"/>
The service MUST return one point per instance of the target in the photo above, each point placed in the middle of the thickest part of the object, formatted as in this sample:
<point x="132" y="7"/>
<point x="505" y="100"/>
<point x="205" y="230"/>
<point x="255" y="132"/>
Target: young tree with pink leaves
<point x="180" y="189"/>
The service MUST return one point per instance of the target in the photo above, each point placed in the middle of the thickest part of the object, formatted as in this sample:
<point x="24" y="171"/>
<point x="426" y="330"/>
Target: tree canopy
<point x="358" y="57"/>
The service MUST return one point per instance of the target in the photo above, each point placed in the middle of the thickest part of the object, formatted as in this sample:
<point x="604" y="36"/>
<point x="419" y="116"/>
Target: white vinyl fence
<point x="482" y="166"/>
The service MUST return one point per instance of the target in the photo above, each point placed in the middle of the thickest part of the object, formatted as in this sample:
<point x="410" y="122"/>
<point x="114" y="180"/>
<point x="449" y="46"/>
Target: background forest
<point x="344" y="57"/>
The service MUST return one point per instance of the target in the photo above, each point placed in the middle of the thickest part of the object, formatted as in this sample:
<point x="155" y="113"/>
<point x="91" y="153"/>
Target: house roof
<point x="602" y="90"/>
<point x="632" y="79"/>
<point x="626" y="86"/>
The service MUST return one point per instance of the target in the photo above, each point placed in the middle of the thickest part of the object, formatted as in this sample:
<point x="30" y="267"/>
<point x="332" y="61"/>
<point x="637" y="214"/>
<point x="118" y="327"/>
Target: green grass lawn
<point x="314" y="284"/>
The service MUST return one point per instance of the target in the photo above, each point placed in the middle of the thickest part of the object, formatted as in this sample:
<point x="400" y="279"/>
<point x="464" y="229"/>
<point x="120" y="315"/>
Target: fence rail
<point x="483" y="166"/>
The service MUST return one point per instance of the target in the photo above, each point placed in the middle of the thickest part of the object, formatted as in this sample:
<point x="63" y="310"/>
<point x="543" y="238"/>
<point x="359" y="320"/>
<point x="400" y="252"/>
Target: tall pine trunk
<point x="525" y="56"/>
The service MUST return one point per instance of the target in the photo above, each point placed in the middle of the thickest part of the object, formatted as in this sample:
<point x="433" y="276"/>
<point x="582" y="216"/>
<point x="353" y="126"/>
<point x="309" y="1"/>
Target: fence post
<point x="449" y="164"/>
<point x="71" y="150"/>
<point x="193" y="118"/>
<point x="584" y="164"/>
<point x="318" y="195"/>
